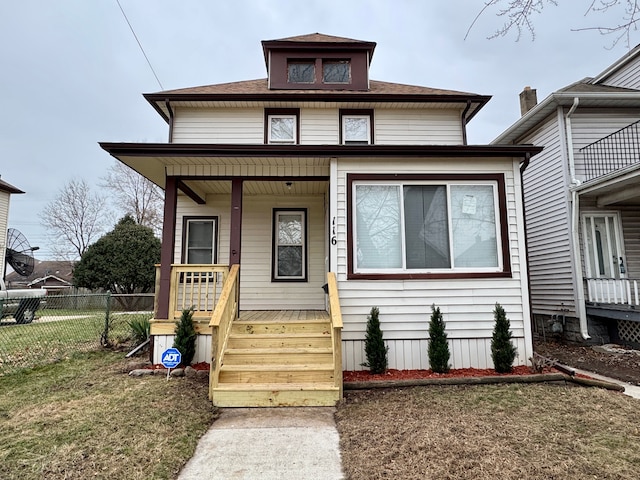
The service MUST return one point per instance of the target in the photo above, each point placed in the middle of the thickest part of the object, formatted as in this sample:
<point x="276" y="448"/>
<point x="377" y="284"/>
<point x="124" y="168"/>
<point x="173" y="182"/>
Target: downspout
<point x="575" y="220"/>
<point x="464" y="122"/>
<point x="523" y="167"/>
<point x="170" y="110"/>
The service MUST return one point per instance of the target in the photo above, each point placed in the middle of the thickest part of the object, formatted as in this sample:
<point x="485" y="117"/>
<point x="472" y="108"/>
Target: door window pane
<point x="290" y="252"/>
<point x="378" y="242"/>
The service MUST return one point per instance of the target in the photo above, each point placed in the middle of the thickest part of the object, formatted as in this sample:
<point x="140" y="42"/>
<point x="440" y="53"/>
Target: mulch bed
<point x="392" y="374"/>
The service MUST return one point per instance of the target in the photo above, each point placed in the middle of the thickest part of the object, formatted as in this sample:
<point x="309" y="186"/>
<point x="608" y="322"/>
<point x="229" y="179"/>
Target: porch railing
<point x="335" y="316"/>
<point x="197" y="287"/>
<point x="613" y="152"/>
<point x="616" y="291"/>
<point x="225" y="313"/>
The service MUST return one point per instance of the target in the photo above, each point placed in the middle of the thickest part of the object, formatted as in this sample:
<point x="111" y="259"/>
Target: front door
<point x="604" y="256"/>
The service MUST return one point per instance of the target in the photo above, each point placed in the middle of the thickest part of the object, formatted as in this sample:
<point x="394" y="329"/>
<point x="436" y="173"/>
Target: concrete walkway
<point x="268" y="443"/>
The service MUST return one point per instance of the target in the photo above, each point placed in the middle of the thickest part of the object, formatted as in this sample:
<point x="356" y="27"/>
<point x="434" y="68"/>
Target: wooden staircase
<point x="279" y="362"/>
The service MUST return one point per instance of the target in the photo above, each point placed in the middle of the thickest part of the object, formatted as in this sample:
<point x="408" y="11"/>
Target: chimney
<point x="528" y="100"/>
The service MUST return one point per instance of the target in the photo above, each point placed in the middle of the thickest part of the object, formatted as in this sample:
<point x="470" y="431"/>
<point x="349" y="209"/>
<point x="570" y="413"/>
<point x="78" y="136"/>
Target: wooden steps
<point x="277" y="363"/>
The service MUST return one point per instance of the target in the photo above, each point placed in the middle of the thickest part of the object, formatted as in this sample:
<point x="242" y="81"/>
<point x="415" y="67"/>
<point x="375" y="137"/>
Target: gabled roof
<point x="318" y="38"/>
<point x="589" y="94"/>
<point x="6" y="187"/>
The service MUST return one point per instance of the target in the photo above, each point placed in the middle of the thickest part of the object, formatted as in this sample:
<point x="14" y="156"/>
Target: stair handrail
<point x="224" y="314"/>
<point x="335" y="316"/>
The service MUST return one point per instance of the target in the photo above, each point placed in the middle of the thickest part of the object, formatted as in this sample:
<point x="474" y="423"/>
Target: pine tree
<point x="374" y="346"/>
<point x="185" y="340"/>
<point x="503" y="352"/>
<point x="438" y="345"/>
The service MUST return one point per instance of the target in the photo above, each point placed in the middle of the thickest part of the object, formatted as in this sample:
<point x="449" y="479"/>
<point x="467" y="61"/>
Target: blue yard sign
<point x="171" y="358"/>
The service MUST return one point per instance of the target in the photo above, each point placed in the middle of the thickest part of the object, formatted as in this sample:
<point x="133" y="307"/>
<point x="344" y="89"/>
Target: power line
<point x="139" y="44"/>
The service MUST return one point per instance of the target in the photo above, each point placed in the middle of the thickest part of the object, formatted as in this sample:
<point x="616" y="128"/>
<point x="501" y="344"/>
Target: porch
<point x="257" y="358"/>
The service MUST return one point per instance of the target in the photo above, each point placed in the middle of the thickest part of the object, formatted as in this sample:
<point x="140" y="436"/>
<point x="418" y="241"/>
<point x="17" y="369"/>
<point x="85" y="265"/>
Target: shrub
<point x="438" y="345"/>
<point x="185" y="340"/>
<point x="503" y="352"/>
<point x="140" y="329"/>
<point x="374" y="346"/>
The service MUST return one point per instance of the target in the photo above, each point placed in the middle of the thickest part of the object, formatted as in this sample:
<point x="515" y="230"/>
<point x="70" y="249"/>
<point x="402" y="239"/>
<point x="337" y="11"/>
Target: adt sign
<point x="171" y="358"/>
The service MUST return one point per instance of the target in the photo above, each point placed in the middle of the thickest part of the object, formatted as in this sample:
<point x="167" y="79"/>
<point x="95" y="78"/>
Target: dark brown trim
<point x="185" y="222"/>
<point x="463" y="120"/>
<point x="168" y="245"/>
<point x="503" y="216"/>
<point x="188" y="191"/>
<point x="281" y="111"/>
<point x="363" y="111"/>
<point x="305" y="249"/>
<point x="234" y="150"/>
<point x="235" y="241"/>
<point x="167" y="103"/>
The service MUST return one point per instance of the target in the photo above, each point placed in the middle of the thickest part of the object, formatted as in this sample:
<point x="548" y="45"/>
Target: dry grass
<point x="86" y="418"/>
<point x="487" y="432"/>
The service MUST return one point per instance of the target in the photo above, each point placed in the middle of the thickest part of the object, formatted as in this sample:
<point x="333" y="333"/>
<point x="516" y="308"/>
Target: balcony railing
<point x="613" y="152"/>
<point x="615" y="291"/>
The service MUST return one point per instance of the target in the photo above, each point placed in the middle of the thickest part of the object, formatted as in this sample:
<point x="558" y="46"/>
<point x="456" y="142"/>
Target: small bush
<point x="185" y="340"/>
<point x="374" y="346"/>
<point x="140" y="329"/>
<point x="503" y="352"/>
<point x="438" y="345"/>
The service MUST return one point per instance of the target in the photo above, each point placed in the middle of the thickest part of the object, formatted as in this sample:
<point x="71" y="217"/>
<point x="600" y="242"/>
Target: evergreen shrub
<point x="374" y="346"/>
<point x="503" y="352"/>
<point x="185" y="340"/>
<point x="438" y="346"/>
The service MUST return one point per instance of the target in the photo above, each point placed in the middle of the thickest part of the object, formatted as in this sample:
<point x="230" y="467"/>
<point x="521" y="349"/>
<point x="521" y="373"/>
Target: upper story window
<point x="355" y="127"/>
<point x="336" y="71"/>
<point x="301" y="71"/>
<point x="281" y="126"/>
<point x="408" y="226"/>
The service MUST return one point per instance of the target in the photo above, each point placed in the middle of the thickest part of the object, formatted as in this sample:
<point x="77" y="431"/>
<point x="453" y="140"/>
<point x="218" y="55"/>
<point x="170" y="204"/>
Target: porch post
<point x="236" y="221"/>
<point x="168" y="244"/>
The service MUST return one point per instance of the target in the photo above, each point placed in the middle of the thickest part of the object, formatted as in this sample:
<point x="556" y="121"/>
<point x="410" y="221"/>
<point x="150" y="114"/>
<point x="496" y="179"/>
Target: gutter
<point x="167" y="103"/>
<point x="464" y="122"/>
<point x="575" y="220"/>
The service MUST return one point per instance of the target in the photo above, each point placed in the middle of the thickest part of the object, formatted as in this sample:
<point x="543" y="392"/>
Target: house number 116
<point x="334" y="240"/>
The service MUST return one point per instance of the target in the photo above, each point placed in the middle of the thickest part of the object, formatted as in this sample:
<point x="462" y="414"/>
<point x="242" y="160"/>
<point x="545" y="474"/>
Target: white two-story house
<point x="582" y="202"/>
<point x="297" y="202"/>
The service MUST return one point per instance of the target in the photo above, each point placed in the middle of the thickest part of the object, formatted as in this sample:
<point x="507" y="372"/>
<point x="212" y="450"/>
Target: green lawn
<point x="85" y="418"/>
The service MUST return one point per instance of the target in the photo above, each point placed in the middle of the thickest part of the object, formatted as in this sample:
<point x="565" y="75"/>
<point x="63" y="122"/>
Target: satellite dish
<point x="19" y="254"/>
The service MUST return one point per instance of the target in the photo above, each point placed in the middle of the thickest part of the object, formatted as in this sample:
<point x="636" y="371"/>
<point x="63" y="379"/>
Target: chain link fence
<point x="65" y="324"/>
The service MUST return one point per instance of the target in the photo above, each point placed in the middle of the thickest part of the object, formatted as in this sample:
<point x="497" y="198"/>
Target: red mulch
<point x="365" y="375"/>
<point x="196" y="366"/>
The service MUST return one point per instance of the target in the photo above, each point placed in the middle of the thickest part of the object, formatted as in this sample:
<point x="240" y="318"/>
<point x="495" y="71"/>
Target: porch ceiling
<point x="263" y="187"/>
<point x="620" y="189"/>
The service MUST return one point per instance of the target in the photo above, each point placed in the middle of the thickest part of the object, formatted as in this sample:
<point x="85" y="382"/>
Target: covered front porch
<point x="257" y="358"/>
<point x="609" y="206"/>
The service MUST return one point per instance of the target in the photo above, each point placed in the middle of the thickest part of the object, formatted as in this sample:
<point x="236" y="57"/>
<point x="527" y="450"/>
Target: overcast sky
<point x="72" y="74"/>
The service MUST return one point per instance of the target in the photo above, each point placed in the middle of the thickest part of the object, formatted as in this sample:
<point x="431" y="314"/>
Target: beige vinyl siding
<point x="626" y="77"/>
<point x="319" y="126"/>
<point x="418" y="127"/>
<point x="4" y="219"/>
<point x="548" y="216"/>
<point x="258" y="292"/>
<point x="218" y="125"/>
<point x="591" y="125"/>
<point x="467" y="304"/>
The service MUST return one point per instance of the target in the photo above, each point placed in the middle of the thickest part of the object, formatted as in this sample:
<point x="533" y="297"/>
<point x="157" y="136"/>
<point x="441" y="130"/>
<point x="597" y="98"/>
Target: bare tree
<point x="74" y="219"/>
<point x="519" y="15"/>
<point x="136" y="196"/>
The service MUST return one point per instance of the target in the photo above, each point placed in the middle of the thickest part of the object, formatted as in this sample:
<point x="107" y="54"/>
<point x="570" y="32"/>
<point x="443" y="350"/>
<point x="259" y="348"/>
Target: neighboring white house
<point x="582" y="204"/>
<point x="5" y="195"/>
<point x="318" y="168"/>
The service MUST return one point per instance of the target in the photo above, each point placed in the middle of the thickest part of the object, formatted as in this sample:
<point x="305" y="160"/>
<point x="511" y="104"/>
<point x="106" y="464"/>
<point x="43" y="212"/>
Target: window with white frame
<point x="356" y="129"/>
<point x="418" y="226"/>
<point x="289" y="245"/>
<point x="200" y="235"/>
<point x="282" y="128"/>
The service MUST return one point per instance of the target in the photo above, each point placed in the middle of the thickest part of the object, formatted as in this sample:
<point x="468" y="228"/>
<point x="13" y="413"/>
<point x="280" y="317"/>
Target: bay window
<point x="418" y="226"/>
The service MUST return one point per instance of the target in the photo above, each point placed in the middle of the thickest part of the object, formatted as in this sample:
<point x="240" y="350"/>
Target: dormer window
<point x="336" y="71"/>
<point x="301" y="71"/>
